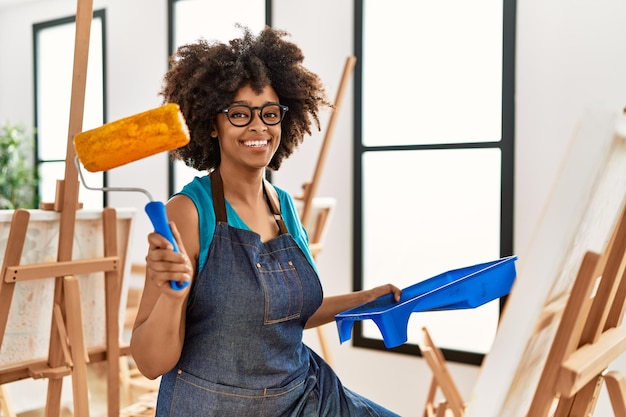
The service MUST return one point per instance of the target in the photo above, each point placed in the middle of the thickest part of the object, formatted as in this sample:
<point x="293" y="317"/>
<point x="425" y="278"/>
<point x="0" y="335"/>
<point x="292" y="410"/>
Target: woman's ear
<point x="214" y="134"/>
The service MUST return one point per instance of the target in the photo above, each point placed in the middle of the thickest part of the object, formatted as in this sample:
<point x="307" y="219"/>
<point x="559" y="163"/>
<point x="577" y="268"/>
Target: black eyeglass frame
<point x="282" y="107"/>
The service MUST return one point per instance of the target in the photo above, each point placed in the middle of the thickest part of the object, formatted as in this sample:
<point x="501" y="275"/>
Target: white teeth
<point x="255" y="143"/>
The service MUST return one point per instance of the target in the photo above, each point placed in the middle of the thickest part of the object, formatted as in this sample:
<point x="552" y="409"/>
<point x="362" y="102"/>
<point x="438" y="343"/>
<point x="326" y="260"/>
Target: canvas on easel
<point x="537" y="345"/>
<point x="589" y="336"/>
<point x="586" y="202"/>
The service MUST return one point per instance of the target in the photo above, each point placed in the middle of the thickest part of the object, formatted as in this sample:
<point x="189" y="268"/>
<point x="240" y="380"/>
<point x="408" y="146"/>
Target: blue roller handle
<point x="158" y="216"/>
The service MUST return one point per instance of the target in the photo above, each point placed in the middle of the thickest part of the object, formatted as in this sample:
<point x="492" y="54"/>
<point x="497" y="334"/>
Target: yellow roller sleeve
<point x="132" y="138"/>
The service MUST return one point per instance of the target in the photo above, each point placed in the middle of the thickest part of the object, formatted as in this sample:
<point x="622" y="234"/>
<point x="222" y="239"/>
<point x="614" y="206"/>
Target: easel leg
<point x="55" y="382"/>
<point x="5" y="404"/>
<point x="55" y="355"/>
<point x="77" y="343"/>
<point x="570" y="327"/>
<point x="616" y="387"/>
<point x="12" y="255"/>
<point x="437" y="364"/>
<point x="113" y="287"/>
<point x="53" y="399"/>
<point x="430" y="407"/>
<point x="586" y="399"/>
<point x="582" y="403"/>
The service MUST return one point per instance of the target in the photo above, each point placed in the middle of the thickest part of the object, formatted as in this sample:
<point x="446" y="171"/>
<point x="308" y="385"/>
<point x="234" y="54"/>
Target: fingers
<point x="164" y="265"/>
<point x="386" y="289"/>
<point x="397" y="292"/>
<point x="158" y="241"/>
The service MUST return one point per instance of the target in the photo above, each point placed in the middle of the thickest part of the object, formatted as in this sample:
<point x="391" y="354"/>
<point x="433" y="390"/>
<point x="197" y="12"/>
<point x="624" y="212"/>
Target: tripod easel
<point x="588" y="339"/>
<point x="67" y="353"/>
<point x="66" y="315"/>
<point x="315" y="227"/>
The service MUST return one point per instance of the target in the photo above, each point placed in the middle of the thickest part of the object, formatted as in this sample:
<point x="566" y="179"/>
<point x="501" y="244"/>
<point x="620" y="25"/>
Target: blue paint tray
<point x="462" y="288"/>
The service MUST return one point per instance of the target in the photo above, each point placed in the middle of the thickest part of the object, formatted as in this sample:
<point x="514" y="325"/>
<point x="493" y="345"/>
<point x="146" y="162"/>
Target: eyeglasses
<point x="241" y="115"/>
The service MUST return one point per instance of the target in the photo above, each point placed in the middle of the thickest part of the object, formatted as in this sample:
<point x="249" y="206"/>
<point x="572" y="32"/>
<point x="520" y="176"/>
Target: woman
<point x="231" y="344"/>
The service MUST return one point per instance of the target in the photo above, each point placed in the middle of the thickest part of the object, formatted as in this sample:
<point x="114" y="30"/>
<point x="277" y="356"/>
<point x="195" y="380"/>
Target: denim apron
<point x="243" y="353"/>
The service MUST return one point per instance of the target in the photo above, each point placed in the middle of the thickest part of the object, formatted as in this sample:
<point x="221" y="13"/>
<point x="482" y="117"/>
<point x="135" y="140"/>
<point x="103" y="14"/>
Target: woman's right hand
<point x="164" y="265"/>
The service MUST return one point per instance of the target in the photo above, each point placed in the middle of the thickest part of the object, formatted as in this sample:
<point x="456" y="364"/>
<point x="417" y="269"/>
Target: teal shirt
<point x="199" y="191"/>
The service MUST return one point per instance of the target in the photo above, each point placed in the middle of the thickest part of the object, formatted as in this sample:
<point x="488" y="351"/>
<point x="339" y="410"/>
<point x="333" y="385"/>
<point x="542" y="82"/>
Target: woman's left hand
<point x="331" y="306"/>
<point x="376" y="292"/>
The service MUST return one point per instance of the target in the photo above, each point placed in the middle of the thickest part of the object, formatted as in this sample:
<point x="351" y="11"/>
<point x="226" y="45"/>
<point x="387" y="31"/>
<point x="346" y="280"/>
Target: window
<point x="191" y="20"/>
<point x="54" y="58"/>
<point x="433" y="155"/>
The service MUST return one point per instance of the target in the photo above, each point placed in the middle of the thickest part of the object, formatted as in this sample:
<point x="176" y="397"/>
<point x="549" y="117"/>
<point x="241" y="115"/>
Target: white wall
<point x="570" y="56"/>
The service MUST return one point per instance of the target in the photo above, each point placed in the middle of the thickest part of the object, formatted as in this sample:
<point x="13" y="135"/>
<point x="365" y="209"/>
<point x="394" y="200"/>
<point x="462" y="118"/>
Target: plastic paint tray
<point x="462" y="288"/>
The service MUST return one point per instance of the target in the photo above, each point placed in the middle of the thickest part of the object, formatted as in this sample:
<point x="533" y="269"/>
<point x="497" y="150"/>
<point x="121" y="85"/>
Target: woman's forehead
<point x="248" y="94"/>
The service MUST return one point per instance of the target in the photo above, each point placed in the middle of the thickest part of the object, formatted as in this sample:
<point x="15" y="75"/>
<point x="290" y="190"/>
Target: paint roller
<point x="130" y="139"/>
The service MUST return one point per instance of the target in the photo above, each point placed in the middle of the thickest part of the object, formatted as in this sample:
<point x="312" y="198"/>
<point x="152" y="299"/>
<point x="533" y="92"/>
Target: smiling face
<point x="248" y="147"/>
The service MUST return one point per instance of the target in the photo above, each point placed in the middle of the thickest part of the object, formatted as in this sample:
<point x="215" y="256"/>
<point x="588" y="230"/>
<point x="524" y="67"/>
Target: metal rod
<point x="107" y="189"/>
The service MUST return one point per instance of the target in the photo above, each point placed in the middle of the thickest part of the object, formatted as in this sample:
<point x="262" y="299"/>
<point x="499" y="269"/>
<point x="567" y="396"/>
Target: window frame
<point x="506" y="146"/>
<point x="37" y="28"/>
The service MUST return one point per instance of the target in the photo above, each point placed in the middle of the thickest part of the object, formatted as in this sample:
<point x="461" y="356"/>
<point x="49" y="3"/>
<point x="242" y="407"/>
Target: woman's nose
<point x="256" y="124"/>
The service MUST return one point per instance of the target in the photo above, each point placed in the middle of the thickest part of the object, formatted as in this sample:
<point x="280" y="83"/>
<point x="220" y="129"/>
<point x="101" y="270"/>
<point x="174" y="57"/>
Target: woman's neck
<point x="243" y="187"/>
<point x="246" y="195"/>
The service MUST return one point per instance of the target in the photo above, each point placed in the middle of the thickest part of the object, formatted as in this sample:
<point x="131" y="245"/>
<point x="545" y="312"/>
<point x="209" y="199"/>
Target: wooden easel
<point x="441" y="381"/>
<point x="67" y="351"/>
<point x="310" y="189"/>
<point x="588" y="339"/>
<point x="67" y="327"/>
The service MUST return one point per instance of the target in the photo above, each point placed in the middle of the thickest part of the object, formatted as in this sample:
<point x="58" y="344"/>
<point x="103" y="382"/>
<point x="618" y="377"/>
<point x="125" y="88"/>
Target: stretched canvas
<point x="580" y="215"/>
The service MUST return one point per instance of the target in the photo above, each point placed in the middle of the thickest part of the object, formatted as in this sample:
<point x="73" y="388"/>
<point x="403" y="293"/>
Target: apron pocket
<point x="194" y="396"/>
<point x="283" y="291"/>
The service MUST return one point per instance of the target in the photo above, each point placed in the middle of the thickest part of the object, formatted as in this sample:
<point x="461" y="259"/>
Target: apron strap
<point x="272" y="198"/>
<point x="219" y="203"/>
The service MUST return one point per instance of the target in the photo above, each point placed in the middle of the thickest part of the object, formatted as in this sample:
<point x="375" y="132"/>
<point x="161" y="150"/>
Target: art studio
<point x="472" y="154"/>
